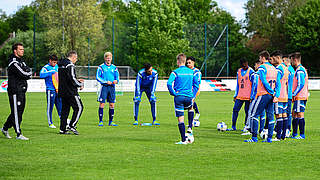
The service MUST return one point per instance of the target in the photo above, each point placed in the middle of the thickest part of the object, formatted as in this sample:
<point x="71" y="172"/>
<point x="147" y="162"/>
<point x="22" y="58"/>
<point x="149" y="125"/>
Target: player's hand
<point x="81" y="80"/>
<point x="275" y="100"/>
<point x="234" y="99"/>
<point x="137" y="99"/>
<point x="81" y="87"/>
<point x="109" y="82"/>
<point x="115" y="82"/>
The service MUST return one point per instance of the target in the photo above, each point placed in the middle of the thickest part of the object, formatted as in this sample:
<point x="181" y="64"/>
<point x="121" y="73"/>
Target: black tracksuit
<point x="68" y="91"/>
<point x="18" y="74"/>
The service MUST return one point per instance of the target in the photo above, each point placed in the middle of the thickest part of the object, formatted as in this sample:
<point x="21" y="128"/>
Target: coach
<point x="18" y="74"/>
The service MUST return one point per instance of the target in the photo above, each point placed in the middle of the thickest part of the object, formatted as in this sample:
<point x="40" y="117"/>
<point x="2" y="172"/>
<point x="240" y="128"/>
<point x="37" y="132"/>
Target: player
<point x="18" y="74"/>
<point x="268" y="93"/>
<point x="299" y="97"/>
<point x="190" y="64"/>
<point x="242" y="93"/>
<point x="183" y="84"/>
<point x="281" y="106"/>
<point x="68" y="92"/>
<point x="108" y="76"/>
<point x="146" y="82"/>
<point x="287" y="62"/>
<point x="49" y="73"/>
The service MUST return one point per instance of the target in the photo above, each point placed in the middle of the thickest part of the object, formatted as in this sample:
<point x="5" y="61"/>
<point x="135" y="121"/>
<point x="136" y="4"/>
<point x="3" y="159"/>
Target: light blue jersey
<point x="183" y="82"/>
<point x="198" y="74"/>
<point x="145" y="81"/>
<point x="290" y="81"/>
<point x="243" y="72"/>
<point x="254" y="88"/>
<point x="280" y="75"/>
<point x="107" y="73"/>
<point x="46" y="73"/>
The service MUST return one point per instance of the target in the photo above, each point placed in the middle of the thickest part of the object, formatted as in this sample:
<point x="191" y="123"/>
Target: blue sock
<point x="279" y="127"/>
<point x="153" y="110"/>
<point x="182" y="130"/>
<point x="136" y="110"/>
<point x="285" y="127"/>
<point x="270" y="129"/>
<point x="100" y="114"/>
<point x="254" y="127"/>
<point x="301" y="126"/>
<point x="190" y="118"/>
<point x="111" y="113"/>
<point x="262" y="121"/>
<point x="234" y="118"/>
<point x="295" y="122"/>
<point x="195" y="107"/>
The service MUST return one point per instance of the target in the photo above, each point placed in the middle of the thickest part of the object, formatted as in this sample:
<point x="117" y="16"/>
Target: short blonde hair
<point x="107" y="54"/>
<point x="181" y="58"/>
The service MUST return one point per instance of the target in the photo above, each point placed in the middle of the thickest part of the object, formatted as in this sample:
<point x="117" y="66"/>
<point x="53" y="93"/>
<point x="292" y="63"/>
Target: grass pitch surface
<point x="144" y="152"/>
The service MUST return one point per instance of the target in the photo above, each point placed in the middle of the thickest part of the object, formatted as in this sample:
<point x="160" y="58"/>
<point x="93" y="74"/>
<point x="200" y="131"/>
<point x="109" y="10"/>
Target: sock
<point x="111" y="113"/>
<point x="234" y="118"/>
<point x="279" y="127"/>
<point x="254" y="127"/>
<point x="190" y="118"/>
<point x="195" y="107"/>
<point x="153" y="110"/>
<point x="100" y="114"/>
<point x="270" y="129"/>
<point x="301" y="126"/>
<point x="295" y="126"/>
<point x="285" y="127"/>
<point x="266" y="123"/>
<point x="136" y="110"/>
<point x="262" y="121"/>
<point x="182" y="130"/>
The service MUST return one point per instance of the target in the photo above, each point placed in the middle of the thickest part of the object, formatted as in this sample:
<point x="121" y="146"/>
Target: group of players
<point x="269" y="92"/>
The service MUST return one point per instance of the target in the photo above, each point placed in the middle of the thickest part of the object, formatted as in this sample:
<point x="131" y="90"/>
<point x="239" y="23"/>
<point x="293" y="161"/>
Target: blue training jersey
<point x="144" y="80"/>
<point x="290" y="81"/>
<point x="183" y="82"/>
<point x="254" y="87"/>
<point x="243" y="72"/>
<point x="262" y="71"/>
<point x="107" y="73"/>
<point x="197" y="74"/>
<point x="301" y="75"/>
<point x="46" y="73"/>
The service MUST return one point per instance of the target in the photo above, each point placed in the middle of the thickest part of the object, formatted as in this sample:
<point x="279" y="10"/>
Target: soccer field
<point x="144" y="152"/>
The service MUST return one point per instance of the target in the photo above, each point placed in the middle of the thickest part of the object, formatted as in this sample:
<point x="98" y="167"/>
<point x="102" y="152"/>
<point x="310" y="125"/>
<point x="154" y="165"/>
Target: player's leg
<point x="102" y="95"/>
<point x="152" y="101"/>
<point x="21" y="102"/>
<point x="236" y="108"/>
<point x="285" y="121"/>
<point x="136" y="100"/>
<point x="289" y="114"/>
<point x="295" y="120"/>
<point x="58" y="104"/>
<point x="196" y="110"/>
<point x="179" y="111"/>
<point x="262" y="121"/>
<point x="257" y="108"/>
<point x="301" y="121"/>
<point x="190" y="119"/>
<point x="279" y="120"/>
<point x="77" y="107"/>
<point x="246" y="109"/>
<point x="50" y="104"/>
<point x="11" y="118"/>
<point x="65" y="110"/>
<point x="111" y="99"/>
<point x="270" y="116"/>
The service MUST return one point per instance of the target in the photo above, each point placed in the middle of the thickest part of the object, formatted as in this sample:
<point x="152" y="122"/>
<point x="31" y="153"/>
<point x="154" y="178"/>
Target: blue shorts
<point x="181" y="103"/>
<point x="280" y="107"/>
<point x="107" y="93"/>
<point x="299" y="105"/>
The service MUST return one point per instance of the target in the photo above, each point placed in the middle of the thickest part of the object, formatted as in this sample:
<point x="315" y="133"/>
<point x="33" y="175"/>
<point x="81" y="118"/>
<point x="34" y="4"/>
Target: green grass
<point x="128" y="152"/>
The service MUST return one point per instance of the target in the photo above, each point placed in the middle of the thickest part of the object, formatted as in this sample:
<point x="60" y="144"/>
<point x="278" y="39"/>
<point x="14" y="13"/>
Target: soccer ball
<point x="196" y="123"/>
<point x="264" y="134"/>
<point x="221" y="126"/>
<point x="189" y="137"/>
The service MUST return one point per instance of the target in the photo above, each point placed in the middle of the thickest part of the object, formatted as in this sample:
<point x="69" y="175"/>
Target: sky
<point x="235" y="7"/>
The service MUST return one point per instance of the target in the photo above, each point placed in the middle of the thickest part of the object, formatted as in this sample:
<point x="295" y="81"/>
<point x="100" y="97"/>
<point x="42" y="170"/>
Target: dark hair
<point x="242" y="61"/>
<point x="276" y="53"/>
<point x="15" y="46"/>
<point x="71" y="53"/>
<point x="53" y="57"/>
<point x="285" y="56"/>
<point x="257" y="61"/>
<point x="296" y="55"/>
<point x="147" y="66"/>
<point x="191" y="58"/>
<point x="265" y="54"/>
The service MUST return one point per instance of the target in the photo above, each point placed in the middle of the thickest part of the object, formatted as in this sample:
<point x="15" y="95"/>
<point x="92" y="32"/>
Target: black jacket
<point x="68" y="83"/>
<point x="18" y="74"/>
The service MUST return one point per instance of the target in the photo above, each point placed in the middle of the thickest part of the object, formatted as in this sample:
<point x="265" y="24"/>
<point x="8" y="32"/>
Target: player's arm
<point x="44" y="73"/>
<point x="254" y="88"/>
<point x="301" y="82"/>
<point x="137" y="87"/>
<point x="237" y="89"/>
<point x="278" y="82"/>
<point x="170" y="84"/>
<point x="262" y="71"/>
<point x="290" y="80"/>
<point x="72" y="77"/>
<point x="154" y="86"/>
<point x="116" y="76"/>
<point x="99" y="76"/>
<point x="22" y="71"/>
<point x="199" y="82"/>
<point x="195" y="85"/>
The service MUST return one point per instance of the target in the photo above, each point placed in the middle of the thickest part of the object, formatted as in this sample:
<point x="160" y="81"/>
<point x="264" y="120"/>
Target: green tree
<point x="4" y="27"/>
<point x="22" y="19"/>
<point x="303" y="33"/>
<point x="77" y="20"/>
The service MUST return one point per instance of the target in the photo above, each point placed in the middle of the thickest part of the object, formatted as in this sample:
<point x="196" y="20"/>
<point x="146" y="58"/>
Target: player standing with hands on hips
<point x="18" y="74"/>
<point x="108" y="76"/>
<point x="183" y="84"/>
<point x="68" y="91"/>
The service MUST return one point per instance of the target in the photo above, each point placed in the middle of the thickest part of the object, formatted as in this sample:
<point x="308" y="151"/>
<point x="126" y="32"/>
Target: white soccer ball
<point x="264" y="134"/>
<point x="189" y="137"/>
<point x="196" y="123"/>
<point x="221" y="126"/>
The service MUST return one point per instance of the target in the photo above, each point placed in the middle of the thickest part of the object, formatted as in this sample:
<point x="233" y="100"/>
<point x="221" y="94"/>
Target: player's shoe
<point x="294" y="136"/>
<point x="73" y="130"/>
<point x="180" y="142"/>
<point x="156" y="123"/>
<point x="196" y="123"/>
<point x="64" y="132"/>
<point x="275" y="140"/>
<point x="52" y="126"/>
<point x="135" y="123"/>
<point x="112" y="124"/>
<point x="251" y="140"/>
<point x="299" y="137"/>
<point x="100" y="123"/>
<point x="5" y="133"/>
<point x="189" y="130"/>
<point x="269" y="140"/>
<point x="231" y="129"/>
<point x="287" y="133"/>
<point x="246" y="133"/>
<point x="196" y="117"/>
<point x="21" y="137"/>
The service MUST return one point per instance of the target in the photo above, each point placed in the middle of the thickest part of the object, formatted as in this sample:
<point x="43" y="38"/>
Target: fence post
<point x="34" y="43"/>
<point x="205" y="49"/>
<point x="113" y="55"/>
<point x="227" y="50"/>
<point x="137" y="34"/>
<point x="89" y="57"/>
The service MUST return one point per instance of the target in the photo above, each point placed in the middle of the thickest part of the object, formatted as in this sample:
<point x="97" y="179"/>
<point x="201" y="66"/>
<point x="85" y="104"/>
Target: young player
<point x="287" y="62"/>
<point x="68" y="91"/>
<point x="49" y="73"/>
<point x="266" y="96"/>
<point x="183" y="84"/>
<point x="18" y="74"/>
<point x="108" y="76"/>
<point x="190" y="64"/>
<point x="300" y="97"/>
<point x="146" y="82"/>
<point x="242" y="93"/>
<point x="281" y="105"/>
